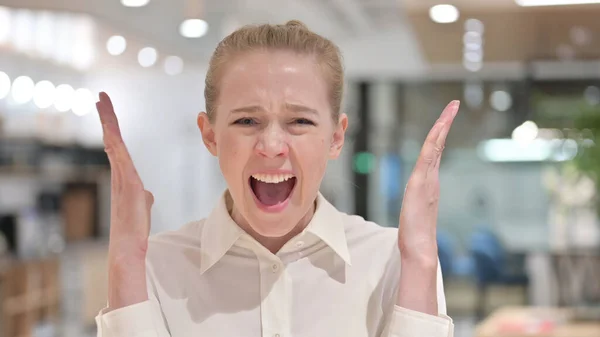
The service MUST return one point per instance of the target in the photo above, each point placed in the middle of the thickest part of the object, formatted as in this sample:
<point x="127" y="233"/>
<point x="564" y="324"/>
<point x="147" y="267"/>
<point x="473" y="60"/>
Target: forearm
<point x="417" y="289"/>
<point x="127" y="283"/>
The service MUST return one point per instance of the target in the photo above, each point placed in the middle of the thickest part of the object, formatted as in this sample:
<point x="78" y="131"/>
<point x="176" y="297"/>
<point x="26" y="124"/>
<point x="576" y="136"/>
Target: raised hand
<point x="129" y="216"/>
<point x="418" y="221"/>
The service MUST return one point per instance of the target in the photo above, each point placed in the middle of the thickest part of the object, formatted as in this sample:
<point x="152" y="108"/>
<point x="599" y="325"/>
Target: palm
<point x="130" y="203"/>
<point x="418" y="217"/>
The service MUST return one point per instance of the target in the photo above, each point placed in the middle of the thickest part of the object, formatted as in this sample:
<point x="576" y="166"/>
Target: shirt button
<point x="275" y="267"/>
<point x="299" y="244"/>
<point x="277" y="335"/>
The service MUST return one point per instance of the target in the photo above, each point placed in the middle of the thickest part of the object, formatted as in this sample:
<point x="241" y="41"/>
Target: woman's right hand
<point x="129" y="217"/>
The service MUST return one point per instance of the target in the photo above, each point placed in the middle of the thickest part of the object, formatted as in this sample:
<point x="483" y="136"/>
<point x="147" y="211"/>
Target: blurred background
<point x="519" y="234"/>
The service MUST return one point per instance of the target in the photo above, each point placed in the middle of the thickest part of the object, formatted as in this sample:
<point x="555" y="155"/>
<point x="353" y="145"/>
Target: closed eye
<point x="303" y="121"/>
<point x="245" y="122"/>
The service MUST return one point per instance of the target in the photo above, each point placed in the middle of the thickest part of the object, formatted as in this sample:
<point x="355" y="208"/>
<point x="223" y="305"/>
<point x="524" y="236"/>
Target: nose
<point x="272" y="142"/>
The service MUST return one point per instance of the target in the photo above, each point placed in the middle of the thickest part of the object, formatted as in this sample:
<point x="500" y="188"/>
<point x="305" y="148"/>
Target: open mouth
<point x="272" y="190"/>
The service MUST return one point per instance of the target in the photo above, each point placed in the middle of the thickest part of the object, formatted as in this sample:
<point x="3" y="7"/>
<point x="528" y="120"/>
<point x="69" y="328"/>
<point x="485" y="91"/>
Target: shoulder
<point x="188" y="234"/>
<point x="359" y="229"/>
<point x="167" y="248"/>
<point x="367" y="238"/>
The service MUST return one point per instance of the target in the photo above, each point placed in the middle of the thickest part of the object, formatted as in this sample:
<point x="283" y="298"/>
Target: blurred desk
<point x="536" y="322"/>
<point x="559" y="276"/>
<point x="29" y="295"/>
<point x="564" y="277"/>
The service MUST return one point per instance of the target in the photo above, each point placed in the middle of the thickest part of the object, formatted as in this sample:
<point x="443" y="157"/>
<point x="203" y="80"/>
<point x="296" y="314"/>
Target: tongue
<point x="272" y="194"/>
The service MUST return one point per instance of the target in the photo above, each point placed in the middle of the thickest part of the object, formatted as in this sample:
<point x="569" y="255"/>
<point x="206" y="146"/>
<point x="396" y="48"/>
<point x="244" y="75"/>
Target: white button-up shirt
<point x="339" y="277"/>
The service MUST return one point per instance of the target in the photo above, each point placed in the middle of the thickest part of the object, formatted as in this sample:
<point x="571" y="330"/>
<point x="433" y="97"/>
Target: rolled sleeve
<point x="410" y="323"/>
<point x="137" y="320"/>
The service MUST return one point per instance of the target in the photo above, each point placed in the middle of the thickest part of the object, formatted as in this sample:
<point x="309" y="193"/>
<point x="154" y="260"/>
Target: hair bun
<point x="296" y="24"/>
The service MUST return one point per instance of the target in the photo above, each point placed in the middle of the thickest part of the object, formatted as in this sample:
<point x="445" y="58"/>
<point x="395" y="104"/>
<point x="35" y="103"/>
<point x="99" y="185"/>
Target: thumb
<point x="149" y="202"/>
<point x="149" y="199"/>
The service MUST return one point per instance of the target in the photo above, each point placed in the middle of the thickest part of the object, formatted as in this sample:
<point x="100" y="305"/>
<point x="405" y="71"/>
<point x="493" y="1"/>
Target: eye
<point x="303" y="121"/>
<point x="245" y="122"/>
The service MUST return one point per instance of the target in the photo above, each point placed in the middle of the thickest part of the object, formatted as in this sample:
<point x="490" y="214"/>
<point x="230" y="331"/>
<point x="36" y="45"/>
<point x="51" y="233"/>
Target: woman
<point x="274" y="258"/>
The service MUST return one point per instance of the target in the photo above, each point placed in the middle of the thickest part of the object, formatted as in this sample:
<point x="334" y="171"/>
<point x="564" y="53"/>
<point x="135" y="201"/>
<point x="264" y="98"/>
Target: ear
<point x="339" y="134"/>
<point x="208" y="133"/>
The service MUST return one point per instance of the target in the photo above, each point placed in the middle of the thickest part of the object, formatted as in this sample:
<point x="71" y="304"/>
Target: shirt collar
<point x="220" y="232"/>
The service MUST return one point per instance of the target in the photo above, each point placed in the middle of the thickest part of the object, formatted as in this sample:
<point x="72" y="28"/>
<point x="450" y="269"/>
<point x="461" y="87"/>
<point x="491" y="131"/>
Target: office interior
<point x="518" y="229"/>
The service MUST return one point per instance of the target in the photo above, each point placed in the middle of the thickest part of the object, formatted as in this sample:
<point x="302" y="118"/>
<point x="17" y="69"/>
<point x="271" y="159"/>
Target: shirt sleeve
<point x="144" y="319"/>
<point x="138" y="320"/>
<point x="409" y="323"/>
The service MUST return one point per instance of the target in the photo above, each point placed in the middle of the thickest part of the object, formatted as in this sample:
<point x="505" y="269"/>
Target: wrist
<point x="127" y="251"/>
<point x="421" y="257"/>
<point x="126" y="284"/>
<point x="418" y="284"/>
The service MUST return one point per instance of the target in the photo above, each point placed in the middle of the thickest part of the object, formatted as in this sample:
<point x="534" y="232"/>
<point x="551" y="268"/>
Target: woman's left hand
<point x="418" y="218"/>
<point x="417" y="239"/>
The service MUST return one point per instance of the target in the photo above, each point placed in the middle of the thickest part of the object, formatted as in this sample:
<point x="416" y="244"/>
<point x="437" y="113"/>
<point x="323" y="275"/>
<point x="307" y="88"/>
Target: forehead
<point x="268" y="77"/>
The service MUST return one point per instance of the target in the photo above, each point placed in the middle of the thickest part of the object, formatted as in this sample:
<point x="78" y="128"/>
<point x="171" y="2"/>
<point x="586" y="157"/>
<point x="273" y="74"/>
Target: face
<point x="273" y="135"/>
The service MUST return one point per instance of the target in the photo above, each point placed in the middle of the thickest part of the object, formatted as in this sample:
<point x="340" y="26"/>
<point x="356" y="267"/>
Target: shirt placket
<point x="274" y="297"/>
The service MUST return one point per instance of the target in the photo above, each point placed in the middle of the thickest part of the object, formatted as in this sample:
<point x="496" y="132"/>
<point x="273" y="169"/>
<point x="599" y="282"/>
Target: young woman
<point x="274" y="258"/>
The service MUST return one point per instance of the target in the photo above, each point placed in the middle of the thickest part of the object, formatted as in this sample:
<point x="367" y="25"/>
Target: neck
<point x="273" y="244"/>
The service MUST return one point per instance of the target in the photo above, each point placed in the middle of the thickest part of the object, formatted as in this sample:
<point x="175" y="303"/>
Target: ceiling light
<point x="534" y="3"/>
<point x="580" y="36"/>
<point x="526" y="132"/>
<point x="472" y="66"/>
<point x="43" y="94"/>
<point x="83" y="102"/>
<point x="134" y="3"/>
<point x="443" y="13"/>
<point x="116" y="45"/>
<point x="22" y="89"/>
<point x="173" y="65"/>
<point x="501" y="100"/>
<point x="472" y="40"/>
<point x="147" y="57"/>
<point x="565" y="52"/>
<point x="473" y="57"/>
<point x="193" y="28"/>
<point x="64" y="97"/>
<point x="473" y="93"/>
<point x="474" y="25"/>
<point x="509" y="150"/>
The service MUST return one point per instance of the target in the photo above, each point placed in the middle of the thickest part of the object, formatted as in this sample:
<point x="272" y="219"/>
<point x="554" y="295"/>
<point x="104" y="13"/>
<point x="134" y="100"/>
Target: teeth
<point x="272" y="178"/>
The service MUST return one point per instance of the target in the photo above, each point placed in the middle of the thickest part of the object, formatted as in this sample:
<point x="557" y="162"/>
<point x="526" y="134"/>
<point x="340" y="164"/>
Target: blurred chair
<point x="446" y="253"/>
<point x="493" y="265"/>
<point x="452" y="263"/>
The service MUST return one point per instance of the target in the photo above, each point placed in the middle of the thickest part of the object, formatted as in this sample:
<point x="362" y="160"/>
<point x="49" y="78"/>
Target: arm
<point x="420" y="298"/>
<point x="140" y="318"/>
<point x="133" y="310"/>
<point x="410" y="316"/>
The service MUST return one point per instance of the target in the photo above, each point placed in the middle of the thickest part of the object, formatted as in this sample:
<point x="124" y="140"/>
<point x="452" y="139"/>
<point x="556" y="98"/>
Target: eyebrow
<point x="289" y="107"/>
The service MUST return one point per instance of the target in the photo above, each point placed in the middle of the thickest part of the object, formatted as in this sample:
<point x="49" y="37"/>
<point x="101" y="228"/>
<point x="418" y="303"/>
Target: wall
<point x="157" y="115"/>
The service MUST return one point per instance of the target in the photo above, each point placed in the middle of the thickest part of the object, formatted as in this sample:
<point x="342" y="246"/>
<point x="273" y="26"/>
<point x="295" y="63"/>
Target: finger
<point x="118" y="155"/>
<point x="106" y="109"/>
<point x="110" y="123"/>
<point x="450" y="111"/>
<point x="436" y="139"/>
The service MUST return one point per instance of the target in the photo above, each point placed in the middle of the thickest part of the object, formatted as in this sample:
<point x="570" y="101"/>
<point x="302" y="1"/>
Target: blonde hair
<point x="293" y="36"/>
